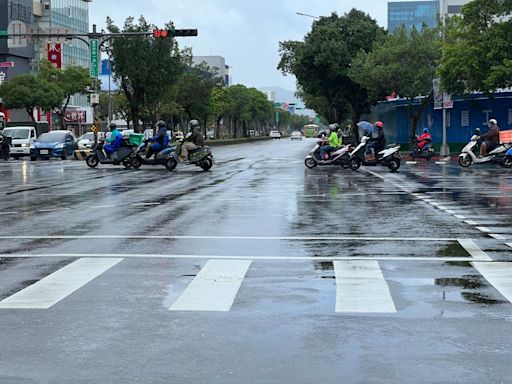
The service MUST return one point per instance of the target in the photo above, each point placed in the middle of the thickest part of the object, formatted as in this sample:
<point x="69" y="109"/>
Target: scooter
<point x="389" y="157"/>
<point x="166" y="157"/>
<point x="468" y="155"/>
<point x="426" y="152"/>
<point x="201" y="157"/>
<point x="121" y="156"/>
<point x="337" y="157"/>
<point x="5" y="147"/>
<point x="507" y="161"/>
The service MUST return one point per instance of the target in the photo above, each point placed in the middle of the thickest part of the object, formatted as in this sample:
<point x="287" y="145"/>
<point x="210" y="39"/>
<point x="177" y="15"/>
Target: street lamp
<point x="305" y="14"/>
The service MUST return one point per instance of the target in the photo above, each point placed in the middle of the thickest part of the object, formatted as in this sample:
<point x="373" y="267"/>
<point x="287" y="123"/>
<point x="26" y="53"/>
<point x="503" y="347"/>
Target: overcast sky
<point x="246" y="33"/>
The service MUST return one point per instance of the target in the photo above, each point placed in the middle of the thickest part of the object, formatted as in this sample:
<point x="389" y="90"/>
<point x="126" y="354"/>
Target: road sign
<point x="284" y="106"/>
<point x="17" y="27"/>
<point x="94" y="62"/>
<point x="277" y="104"/>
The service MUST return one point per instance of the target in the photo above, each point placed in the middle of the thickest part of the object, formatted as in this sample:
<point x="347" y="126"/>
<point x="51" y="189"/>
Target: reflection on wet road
<point x="257" y="271"/>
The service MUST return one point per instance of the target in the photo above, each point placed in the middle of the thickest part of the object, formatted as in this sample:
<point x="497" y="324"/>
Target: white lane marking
<point x="221" y="257"/>
<point x="411" y="162"/>
<point x="474" y="250"/>
<point x="462" y="217"/>
<point x="361" y="288"/>
<point x="177" y="237"/>
<point x="471" y="222"/>
<point x="9" y="213"/>
<point x="441" y="162"/>
<point x="60" y="284"/>
<point x="498" y="237"/>
<point x="144" y="204"/>
<point x="53" y="209"/>
<point x="214" y="288"/>
<point x="102" y="206"/>
<point x="509" y="244"/>
<point x="499" y="275"/>
<point x="483" y="229"/>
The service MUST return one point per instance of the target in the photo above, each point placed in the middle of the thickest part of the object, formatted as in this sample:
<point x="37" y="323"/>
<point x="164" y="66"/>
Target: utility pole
<point x="445" y="149"/>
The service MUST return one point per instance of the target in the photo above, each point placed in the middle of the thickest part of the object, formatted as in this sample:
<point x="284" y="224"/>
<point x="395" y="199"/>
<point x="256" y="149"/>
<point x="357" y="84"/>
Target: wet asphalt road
<point x="259" y="271"/>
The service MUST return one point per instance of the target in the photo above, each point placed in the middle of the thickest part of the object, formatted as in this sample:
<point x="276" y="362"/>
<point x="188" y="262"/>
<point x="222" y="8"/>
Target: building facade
<point x="416" y="13"/>
<point x="217" y="62"/>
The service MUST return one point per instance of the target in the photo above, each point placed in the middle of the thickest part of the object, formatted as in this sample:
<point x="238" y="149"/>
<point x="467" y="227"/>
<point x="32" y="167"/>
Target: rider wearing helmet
<point x="375" y="145"/>
<point x="194" y="141"/>
<point x="491" y="139"/>
<point x="424" y="139"/>
<point x="159" y="141"/>
<point x="115" y="141"/>
<point x="334" y="141"/>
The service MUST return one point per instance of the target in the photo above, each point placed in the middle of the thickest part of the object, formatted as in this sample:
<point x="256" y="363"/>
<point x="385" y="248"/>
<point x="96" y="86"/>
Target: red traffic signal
<point x="163" y="33"/>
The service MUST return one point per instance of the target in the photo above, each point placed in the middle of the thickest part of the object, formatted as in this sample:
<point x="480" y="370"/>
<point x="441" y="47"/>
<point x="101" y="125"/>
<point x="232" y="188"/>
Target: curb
<point x="81" y="154"/>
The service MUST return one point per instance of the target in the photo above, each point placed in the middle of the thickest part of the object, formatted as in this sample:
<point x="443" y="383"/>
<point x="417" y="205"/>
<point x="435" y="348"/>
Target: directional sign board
<point x="94" y="62"/>
<point x="284" y="106"/>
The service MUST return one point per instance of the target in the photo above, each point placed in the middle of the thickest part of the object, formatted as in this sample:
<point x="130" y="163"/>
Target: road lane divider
<point x="361" y="288"/>
<point x="81" y="154"/>
<point x="215" y="287"/>
<point x="498" y="274"/>
<point x="60" y="284"/>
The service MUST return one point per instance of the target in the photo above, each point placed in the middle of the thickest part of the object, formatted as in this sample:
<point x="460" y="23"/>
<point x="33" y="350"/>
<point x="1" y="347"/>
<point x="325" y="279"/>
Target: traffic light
<point x="164" y="33"/>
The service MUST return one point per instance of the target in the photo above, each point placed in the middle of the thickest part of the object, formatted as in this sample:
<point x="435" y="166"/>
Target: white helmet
<point x="193" y="123"/>
<point x="493" y="122"/>
<point x="333" y="127"/>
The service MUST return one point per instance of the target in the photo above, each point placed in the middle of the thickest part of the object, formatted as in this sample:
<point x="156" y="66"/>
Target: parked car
<point x="21" y="139"/>
<point x="296" y="135"/>
<point x="86" y="141"/>
<point x="53" y="144"/>
<point x="275" y="134"/>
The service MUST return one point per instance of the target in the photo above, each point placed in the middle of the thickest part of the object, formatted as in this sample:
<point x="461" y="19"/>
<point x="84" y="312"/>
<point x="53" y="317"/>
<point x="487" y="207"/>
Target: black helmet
<point x="161" y="124"/>
<point x="112" y="126"/>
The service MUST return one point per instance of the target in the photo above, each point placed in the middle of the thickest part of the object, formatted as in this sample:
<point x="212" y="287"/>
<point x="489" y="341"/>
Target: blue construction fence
<point x="466" y="115"/>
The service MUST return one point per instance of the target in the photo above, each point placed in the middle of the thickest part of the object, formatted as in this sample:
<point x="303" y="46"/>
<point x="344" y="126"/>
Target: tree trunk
<point x="415" y="114"/>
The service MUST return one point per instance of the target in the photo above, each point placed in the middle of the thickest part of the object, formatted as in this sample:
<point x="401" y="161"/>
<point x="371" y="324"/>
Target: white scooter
<point x="389" y="157"/>
<point x="468" y="155"/>
<point x="338" y="157"/>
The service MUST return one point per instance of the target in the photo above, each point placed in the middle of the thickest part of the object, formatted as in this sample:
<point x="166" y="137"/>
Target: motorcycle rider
<point x="158" y="142"/>
<point x="424" y="139"/>
<point x="491" y="139"/>
<point x="115" y="141"/>
<point x="334" y="142"/>
<point x="377" y="144"/>
<point x="194" y="141"/>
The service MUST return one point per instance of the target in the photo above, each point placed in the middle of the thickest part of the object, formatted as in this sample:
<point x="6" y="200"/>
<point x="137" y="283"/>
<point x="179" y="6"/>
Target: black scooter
<point x="426" y="152"/>
<point x="5" y="147"/>
<point x="166" y="157"/>
<point x="121" y="156"/>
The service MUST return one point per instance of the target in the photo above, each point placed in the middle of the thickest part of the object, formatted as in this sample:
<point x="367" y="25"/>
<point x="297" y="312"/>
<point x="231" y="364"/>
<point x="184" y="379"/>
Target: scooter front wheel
<point x="310" y="163"/>
<point x="465" y="160"/>
<point x="127" y="163"/>
<point x="136" y="162"/>
<point x="507" y="162"/>
<point x="171" y="163"/>
<point x="92" y="161"/>
<point x="394" y="164"/>
<point x="206" y="164"/>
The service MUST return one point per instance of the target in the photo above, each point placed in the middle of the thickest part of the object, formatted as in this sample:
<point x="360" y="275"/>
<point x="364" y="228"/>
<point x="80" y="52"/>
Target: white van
<point x="22" y="138"/>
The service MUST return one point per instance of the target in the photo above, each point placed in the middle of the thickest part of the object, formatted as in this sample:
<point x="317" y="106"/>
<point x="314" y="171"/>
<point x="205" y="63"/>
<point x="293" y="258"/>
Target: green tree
<point x="321" y="63"/>
<point x="29" y="92"/>
<point x="146" y="67"/>
<point x="194" y="90"/>
<point x="404" y="63"/>
<point x="477" y="54"/>
<point x="71" y="80"/>
<point x="120" y="107"/>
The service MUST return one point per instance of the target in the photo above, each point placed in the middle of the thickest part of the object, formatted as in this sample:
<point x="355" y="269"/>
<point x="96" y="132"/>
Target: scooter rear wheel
<point x="92" y="161"/>
<point x="310" y="163"/>
<point x="127" y="163"/>
<point x="465" y="161"/>
<point x="354" y="163"/>
<point x="136" y="162"/>
<point x="206" y="164"/>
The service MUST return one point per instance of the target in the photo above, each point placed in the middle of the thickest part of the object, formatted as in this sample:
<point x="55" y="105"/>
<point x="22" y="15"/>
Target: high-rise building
<point x="412" y="14"/>
<point x="216" y="62"/>
<point x="416" y="13"/>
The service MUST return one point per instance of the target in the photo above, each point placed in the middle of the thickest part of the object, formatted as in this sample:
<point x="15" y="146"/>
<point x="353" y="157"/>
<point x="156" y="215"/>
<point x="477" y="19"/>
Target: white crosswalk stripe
<point x="361" y="288"/>
<point x="55" y="287"/>
<point x="214" y="288"/>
